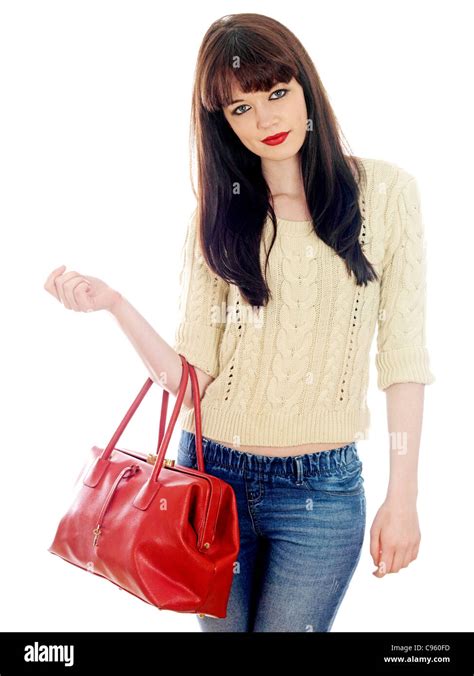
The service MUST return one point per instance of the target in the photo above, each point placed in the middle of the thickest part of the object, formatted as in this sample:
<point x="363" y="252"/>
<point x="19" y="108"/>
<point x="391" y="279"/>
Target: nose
<point x="266" y="118"/>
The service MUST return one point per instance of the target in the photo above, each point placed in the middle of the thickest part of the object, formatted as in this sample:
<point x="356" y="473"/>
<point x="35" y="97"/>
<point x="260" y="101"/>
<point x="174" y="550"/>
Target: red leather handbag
<point x="165" y="533"/>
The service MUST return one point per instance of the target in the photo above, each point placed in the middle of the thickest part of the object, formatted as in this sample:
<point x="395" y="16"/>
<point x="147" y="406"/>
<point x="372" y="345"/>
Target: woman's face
<point x="255" y="116"/>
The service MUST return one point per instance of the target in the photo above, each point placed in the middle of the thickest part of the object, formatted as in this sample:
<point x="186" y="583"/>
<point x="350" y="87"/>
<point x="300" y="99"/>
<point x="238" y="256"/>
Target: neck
<point x="284" y="177"/>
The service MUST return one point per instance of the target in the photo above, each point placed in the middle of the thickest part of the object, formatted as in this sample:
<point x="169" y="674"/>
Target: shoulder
<point x="386" y="177"/>
<point x="389" y="191"/>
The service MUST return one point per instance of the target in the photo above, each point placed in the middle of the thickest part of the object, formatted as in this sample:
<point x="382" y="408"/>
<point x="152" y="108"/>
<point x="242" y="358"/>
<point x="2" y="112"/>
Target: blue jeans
<point x="302" y="524"/>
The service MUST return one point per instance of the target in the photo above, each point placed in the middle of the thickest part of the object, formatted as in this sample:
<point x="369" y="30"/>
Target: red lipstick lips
<point x="276" y="139"/>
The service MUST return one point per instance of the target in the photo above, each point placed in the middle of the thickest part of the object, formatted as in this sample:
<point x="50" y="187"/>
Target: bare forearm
<point x="404" y="416"/>
<point x="162" y="361"/>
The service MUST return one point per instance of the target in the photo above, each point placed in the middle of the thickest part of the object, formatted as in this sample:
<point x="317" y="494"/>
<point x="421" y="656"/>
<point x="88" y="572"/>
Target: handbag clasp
<point x="167" y="462"/>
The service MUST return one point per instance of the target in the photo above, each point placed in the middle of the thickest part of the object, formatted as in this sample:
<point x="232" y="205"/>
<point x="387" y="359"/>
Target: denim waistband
<point x="307" y="464"/>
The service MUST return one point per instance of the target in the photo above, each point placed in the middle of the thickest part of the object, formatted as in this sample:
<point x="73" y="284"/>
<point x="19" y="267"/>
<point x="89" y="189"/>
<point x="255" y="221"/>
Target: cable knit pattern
<point x="297" y="370"/>
<point x="201" y="307"/>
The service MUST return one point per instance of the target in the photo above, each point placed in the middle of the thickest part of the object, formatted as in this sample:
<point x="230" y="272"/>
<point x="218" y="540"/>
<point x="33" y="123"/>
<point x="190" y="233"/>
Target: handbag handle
<point x="164" y="437"/>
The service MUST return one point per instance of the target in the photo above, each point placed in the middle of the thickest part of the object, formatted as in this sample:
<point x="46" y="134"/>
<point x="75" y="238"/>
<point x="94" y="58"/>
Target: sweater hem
<point x="278" y="430"/>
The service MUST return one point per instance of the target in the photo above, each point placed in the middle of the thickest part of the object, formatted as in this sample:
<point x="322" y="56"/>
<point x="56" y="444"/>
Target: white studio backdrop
<point x="94" y="174"/>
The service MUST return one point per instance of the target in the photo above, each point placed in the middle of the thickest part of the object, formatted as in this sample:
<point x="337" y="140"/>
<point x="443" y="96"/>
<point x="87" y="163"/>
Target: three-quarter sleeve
<point x="402" y="354"/>
<point x="202" y="307"/>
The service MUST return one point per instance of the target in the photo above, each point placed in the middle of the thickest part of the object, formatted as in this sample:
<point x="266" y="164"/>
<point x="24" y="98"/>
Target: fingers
<point x="375" y="546"/>
<point x="65" y="285"/>
<point x="76" y="292"/>
<point x="376" y="552"/>
<point x="385" y="558"/>
<point x="408" y="558"/>
<point x="385" y="563"/>
<point x="381" y="568"/>
<point x="411" y="554"/>
<point x="393" y="560"/>
<point x="70" y="289"/>
<point x="399" y="560"/>
<point x="49" y="285"/>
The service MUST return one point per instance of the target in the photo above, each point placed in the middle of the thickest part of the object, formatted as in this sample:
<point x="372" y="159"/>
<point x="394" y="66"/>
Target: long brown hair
<point x="230" y="226"/>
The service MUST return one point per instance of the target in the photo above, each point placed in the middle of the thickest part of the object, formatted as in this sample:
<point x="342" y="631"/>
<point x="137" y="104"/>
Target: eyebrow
<point x="240" y="100"/>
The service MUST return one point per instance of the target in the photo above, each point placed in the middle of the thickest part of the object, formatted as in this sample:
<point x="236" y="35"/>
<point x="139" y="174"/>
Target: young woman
<point x="295" y="252"/>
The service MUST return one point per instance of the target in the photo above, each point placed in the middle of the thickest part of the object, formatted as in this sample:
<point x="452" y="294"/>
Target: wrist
<point x="405" y="495"/>
<point x="117" y="302"/>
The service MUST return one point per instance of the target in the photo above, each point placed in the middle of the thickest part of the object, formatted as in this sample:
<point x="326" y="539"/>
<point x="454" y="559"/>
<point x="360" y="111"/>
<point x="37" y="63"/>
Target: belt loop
<point x="299" y="470"/>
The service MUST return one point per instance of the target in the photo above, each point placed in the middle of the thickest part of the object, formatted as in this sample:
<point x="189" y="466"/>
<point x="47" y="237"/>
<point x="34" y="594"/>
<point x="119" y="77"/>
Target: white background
<point x="94" y="174"/>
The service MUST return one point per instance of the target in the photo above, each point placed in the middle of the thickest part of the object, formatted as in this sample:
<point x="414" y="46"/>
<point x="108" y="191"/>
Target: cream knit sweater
<point x="297" y="370"/>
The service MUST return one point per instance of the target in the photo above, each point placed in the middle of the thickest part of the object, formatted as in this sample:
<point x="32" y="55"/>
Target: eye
<point x="277" y="91"/>
<point x="234" y="112"/>
<point x="280" y="90"/>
